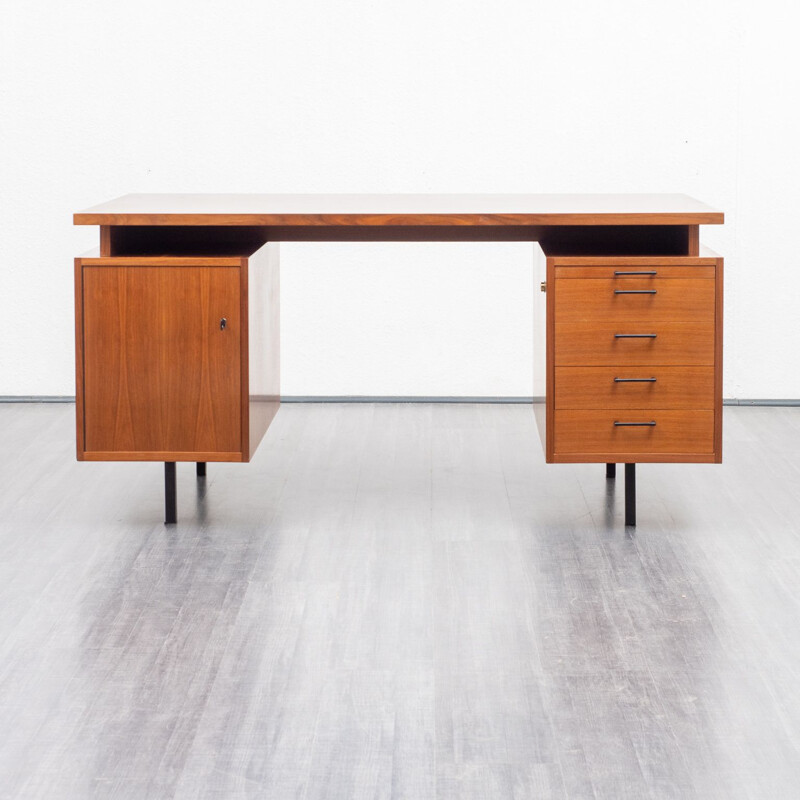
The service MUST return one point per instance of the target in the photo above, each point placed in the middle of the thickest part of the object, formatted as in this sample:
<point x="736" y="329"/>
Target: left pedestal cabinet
<point x="166" y="368"/>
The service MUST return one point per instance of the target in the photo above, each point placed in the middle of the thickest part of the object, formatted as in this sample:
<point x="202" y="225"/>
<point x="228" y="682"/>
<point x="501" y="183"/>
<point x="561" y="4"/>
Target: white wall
<point x="102" y="98"/>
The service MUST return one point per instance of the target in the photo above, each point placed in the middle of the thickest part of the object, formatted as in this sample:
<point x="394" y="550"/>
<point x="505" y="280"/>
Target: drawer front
<point x="595" y="432"/>
<point x="623" y="273"/>
<point x="621" y="344"/>
<point x="635" y="300"/>
<point x="634" y="388"/>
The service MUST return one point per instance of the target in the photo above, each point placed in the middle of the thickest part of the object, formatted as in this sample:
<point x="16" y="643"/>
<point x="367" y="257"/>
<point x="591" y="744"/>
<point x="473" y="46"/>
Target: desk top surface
<point x="401" y="209"/>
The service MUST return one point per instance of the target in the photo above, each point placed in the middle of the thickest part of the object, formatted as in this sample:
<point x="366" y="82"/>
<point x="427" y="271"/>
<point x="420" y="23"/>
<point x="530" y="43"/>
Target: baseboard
<point x="761" y="402"/>
<point x="37" y="398"/>
<point x="299" y="398"/>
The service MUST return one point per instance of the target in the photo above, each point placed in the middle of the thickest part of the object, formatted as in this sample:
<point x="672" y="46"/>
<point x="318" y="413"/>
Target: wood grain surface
<point x="159" y="374"/>
<point x="609" y="322"/>
<point x="595" y="344"/>
<point x="676" y="433"/>
<point x="600" y="301"/>
<point x="622" y="272"/>
<point x="597" y="387"/>
<point x="718" y="357"/>
<point x="399" y="210"/>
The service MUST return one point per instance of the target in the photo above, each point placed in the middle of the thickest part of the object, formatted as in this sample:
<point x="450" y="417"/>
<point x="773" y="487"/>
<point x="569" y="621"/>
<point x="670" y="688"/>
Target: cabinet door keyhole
<point x="222" y="323"/>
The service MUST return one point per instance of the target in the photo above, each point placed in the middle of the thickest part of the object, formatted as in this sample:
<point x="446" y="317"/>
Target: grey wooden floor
<point x="399" y="601"/>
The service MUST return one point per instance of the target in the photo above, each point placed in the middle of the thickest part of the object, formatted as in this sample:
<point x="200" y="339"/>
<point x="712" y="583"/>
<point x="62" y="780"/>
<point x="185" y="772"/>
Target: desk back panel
<point x="222" y="240"/>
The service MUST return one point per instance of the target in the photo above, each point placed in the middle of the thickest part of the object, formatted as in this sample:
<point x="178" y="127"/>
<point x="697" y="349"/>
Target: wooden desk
<point x="178" y="319"/>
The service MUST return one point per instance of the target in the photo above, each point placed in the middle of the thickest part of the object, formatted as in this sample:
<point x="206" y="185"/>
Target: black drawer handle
<point x="635" y="291"/>
<point x="634" y="380"/>
<point x="635" y="335"/>
<point x="637" y="272"/>
<point x="635" y="424"/>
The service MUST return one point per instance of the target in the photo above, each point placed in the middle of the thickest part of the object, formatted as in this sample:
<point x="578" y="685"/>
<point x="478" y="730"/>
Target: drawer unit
<point x="634" y="359"/>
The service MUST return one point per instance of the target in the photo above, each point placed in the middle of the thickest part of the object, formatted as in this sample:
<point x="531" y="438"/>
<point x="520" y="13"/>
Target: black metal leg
<point x="630" y="494"/>
<point x="201" y="469"/>
<point x="170" y="494"/>
<point x="611" y="470"/>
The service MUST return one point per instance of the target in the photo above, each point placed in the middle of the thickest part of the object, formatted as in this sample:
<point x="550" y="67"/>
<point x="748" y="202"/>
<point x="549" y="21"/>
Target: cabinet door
<point x="161" y="370"/>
